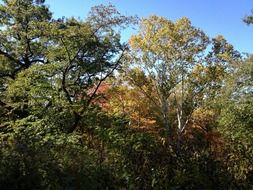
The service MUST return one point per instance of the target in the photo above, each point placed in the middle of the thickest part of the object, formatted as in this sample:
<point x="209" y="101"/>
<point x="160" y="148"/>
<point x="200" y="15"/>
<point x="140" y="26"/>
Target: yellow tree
<point x="125" y="100"/>
<point x="167" y="51"/>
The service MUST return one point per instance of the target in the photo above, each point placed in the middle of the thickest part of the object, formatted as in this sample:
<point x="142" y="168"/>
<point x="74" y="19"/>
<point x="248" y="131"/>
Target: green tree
<point x="78" y="57"/>
<point x="235" y="122"/>
<point x="21" y="39"/>
<point x="248" y="19"/>
<point x="50" y="71"/>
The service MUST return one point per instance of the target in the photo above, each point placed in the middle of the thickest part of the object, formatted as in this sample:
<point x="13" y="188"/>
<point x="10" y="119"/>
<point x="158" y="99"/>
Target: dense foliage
<point x="79" y="109"/>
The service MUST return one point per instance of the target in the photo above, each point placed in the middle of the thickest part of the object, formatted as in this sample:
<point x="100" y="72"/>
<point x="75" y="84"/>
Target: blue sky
<point x="212" y="16"/>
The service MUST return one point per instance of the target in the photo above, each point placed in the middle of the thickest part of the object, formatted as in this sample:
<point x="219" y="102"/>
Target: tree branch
<point x="10" y="57"/>
<point x="104" y="78"/>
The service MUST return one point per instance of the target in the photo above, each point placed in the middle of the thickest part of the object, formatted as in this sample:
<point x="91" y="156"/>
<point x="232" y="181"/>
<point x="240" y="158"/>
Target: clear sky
<point x="212" y="16"/>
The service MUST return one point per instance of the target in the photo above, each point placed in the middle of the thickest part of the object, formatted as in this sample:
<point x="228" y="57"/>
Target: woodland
<point x="171" y="109"/>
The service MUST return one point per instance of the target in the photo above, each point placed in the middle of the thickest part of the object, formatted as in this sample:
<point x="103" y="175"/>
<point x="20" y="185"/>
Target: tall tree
<point x="167" y="52"/>
<point x="22" y="36"/>
<point x="50" y="72"/>
<point x="235" y="120"/>
<point x="78" y="57"/>
<point x="22" y="40"/>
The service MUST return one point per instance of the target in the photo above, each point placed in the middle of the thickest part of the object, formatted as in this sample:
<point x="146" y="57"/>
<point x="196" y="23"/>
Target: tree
<point x="207" y="80"/>
<point x="235" y="121"/>
<point x="50" y="71"/>
<point x="22" y="41"/>
<point x="248" y="19"/>
<point x="79" y="56"/>
<point x="132" y="104"/>
<point x="167" y="52"/>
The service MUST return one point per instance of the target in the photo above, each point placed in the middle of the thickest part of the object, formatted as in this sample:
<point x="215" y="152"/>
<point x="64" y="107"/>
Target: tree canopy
<point x="79" y="109"/>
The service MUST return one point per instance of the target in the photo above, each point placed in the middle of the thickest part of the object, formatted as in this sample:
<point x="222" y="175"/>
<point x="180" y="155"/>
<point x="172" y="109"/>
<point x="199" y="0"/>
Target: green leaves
<point x="235" y="121"/>
<point x="64" y="126"/>
<point x="248" y="19"/>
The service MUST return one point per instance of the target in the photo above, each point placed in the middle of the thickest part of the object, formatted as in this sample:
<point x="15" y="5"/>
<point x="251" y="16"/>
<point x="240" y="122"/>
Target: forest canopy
<point x="80" y="109"/>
